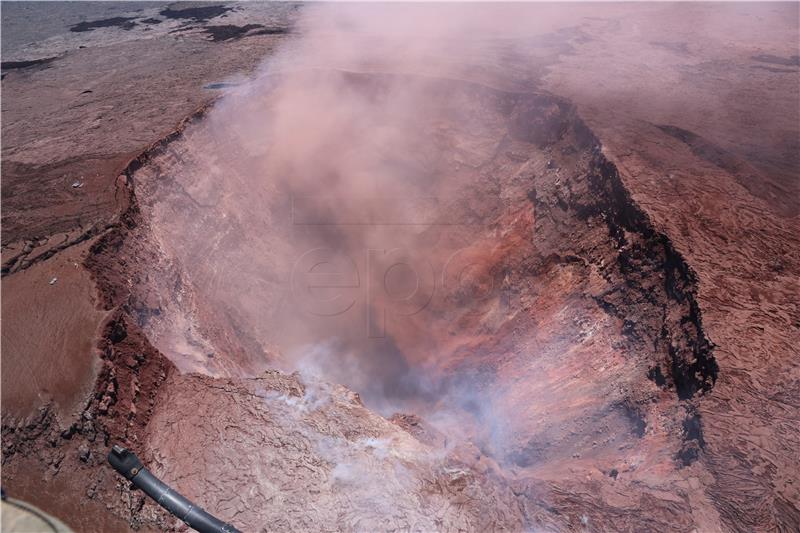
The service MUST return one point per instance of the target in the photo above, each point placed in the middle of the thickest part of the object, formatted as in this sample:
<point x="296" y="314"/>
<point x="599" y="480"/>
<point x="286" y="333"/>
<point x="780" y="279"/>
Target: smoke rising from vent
<point x="329" y="222"/>
<point x="354" y="212"/>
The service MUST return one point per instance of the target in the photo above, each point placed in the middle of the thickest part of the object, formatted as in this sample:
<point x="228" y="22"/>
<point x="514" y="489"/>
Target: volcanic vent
<point x="462" y="257"/>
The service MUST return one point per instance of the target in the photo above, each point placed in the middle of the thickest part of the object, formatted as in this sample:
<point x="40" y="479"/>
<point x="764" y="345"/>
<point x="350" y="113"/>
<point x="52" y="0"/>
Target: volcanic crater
<point x="560" y="330"/>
